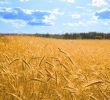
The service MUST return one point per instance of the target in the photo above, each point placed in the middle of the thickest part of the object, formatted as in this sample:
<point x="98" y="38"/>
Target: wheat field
<point x="35" y="68"/>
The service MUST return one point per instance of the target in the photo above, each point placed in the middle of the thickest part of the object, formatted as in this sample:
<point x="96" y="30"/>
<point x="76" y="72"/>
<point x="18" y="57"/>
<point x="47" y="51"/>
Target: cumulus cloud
<point x="34" y="18"/>
<point x="104" y="14"/>
<point x="24" y="0"/>
<point x="99" y="3"/>
<point x="30" y="17"/>
<point x="76" y="16"/>
<point x="53" y="16"/>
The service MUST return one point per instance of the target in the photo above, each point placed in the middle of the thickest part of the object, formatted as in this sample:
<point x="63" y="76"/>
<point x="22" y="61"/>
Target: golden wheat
<point x="33" y="68"/>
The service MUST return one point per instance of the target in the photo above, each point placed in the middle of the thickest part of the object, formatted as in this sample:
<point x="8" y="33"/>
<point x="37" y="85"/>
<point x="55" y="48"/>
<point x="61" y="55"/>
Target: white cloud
<point x="6" y="9"/>
<point x="30" y="16"/>
<point x="24" y="0"/>
<point x="95" y="21"/>
<point x="49" y="19"/>
<point x="105" y="23"/>
<point x="15" y="23"/>
<point x="98" y="22"/>
<point x="53" y="16"/>
<point x="79" y="7"/>
<point x="75" y="16"/>
<point x="98" y="3"/>
<point x="103" y="10"/>
<point x="69" y="1"/>
<point x="27" y="11"/>
<point x="70" y="24"/>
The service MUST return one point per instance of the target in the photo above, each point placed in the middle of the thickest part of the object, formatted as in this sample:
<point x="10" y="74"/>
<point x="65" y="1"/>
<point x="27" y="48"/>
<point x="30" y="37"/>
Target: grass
<point x="34" y="68"/>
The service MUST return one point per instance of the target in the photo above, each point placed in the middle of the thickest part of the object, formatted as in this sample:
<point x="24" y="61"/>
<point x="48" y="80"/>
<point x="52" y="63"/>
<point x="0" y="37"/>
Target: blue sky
<point x="54" y="16"/>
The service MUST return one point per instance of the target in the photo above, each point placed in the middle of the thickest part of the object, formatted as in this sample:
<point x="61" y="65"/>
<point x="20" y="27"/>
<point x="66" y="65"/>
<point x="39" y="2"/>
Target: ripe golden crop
<point x="34" y="68"/>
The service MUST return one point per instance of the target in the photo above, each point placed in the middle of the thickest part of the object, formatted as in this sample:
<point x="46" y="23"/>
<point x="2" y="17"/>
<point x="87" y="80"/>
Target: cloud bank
<point x="30" y="17"/>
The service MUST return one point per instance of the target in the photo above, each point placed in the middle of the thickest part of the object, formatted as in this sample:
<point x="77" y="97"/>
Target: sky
<point x="54" y="16"/>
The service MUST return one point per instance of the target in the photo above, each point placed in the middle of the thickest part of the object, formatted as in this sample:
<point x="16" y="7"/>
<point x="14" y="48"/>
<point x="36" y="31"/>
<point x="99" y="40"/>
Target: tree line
<point x="83" y="35"/>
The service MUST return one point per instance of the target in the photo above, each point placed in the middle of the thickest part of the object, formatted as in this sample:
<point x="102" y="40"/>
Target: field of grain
<point x="34" y="68"/>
